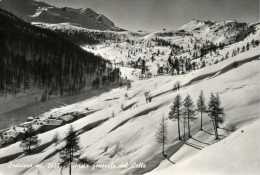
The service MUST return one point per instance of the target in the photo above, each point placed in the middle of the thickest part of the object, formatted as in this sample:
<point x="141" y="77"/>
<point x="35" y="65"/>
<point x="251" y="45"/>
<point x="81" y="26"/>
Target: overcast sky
<point x="154" y="15"/>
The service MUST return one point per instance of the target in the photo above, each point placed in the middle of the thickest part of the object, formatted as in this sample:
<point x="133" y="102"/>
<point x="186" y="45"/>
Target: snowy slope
<point x="129" y="137"/>
<point x="236" y="155"/>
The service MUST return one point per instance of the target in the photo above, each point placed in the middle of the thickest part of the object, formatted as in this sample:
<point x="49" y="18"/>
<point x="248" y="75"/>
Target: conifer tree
<point x="71" y="150"/>
<point x="201" y="107"/>
<point x="161" y="134"/>
<point x="188" y="110"/>
<point x="29" y="140"/>
<point x="214" y="112"/>
<point x="219" y="110"/>
<point x="175" y="112"/>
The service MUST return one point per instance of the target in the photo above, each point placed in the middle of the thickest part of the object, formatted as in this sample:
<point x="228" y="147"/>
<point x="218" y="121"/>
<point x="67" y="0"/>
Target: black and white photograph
<point x="129" y="87"/>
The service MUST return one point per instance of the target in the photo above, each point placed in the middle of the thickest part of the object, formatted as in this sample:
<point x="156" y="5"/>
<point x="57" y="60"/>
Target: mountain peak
<point x="37" y="11"/>
<point x="88" y="11"/>
<point x="193" y="24"/>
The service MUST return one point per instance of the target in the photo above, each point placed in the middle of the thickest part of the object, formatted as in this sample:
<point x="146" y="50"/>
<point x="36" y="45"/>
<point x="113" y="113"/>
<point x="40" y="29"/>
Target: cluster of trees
<point x="180" y="65"/>
<point x="140" y="63"/>
<point x="161" y="42"/>
<point x="112" y="76"/>
<point x="36" y="57"/>
<point x="209" y="47"/>
<point x="165" y="43"/>
<point x="92" y="37"/>
<point x="200" y="50"/>
<point x="184" y="64"/>
<point x="185" y="111"/>
<point x="80" y="37"/>
<point x="246" y="47"/>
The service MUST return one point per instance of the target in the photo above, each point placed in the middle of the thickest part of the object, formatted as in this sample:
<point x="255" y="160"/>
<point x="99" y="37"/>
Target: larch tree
<point x="201" y="107"/>
<point x="71" y="151"/>
<point x="188" y="111"/>
<point x="215" y="112"/>
<point x="175" y="112"/>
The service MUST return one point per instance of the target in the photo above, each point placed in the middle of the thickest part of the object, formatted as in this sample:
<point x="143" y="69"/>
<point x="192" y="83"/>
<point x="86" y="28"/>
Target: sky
<point x="152" y="15"/>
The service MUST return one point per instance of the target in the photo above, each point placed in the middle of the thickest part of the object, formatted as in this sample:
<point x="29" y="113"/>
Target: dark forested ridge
<point x="34" y="57"/>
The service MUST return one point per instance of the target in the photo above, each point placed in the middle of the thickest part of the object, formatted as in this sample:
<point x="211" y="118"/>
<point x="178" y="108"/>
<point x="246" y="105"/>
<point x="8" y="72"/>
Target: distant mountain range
<point x="37" y="11"/>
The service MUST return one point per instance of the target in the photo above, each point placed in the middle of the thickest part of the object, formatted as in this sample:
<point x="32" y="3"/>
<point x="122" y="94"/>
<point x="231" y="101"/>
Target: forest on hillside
<point x="34" y="57"/>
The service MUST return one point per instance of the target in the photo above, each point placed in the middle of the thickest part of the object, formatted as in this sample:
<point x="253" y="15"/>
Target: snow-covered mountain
<point x="121" y="140"/>
<point x="118" y="129"/>
<point x="37" y="11"/>
<point x="225" y="31"/>
<point x="201" y="43"/>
